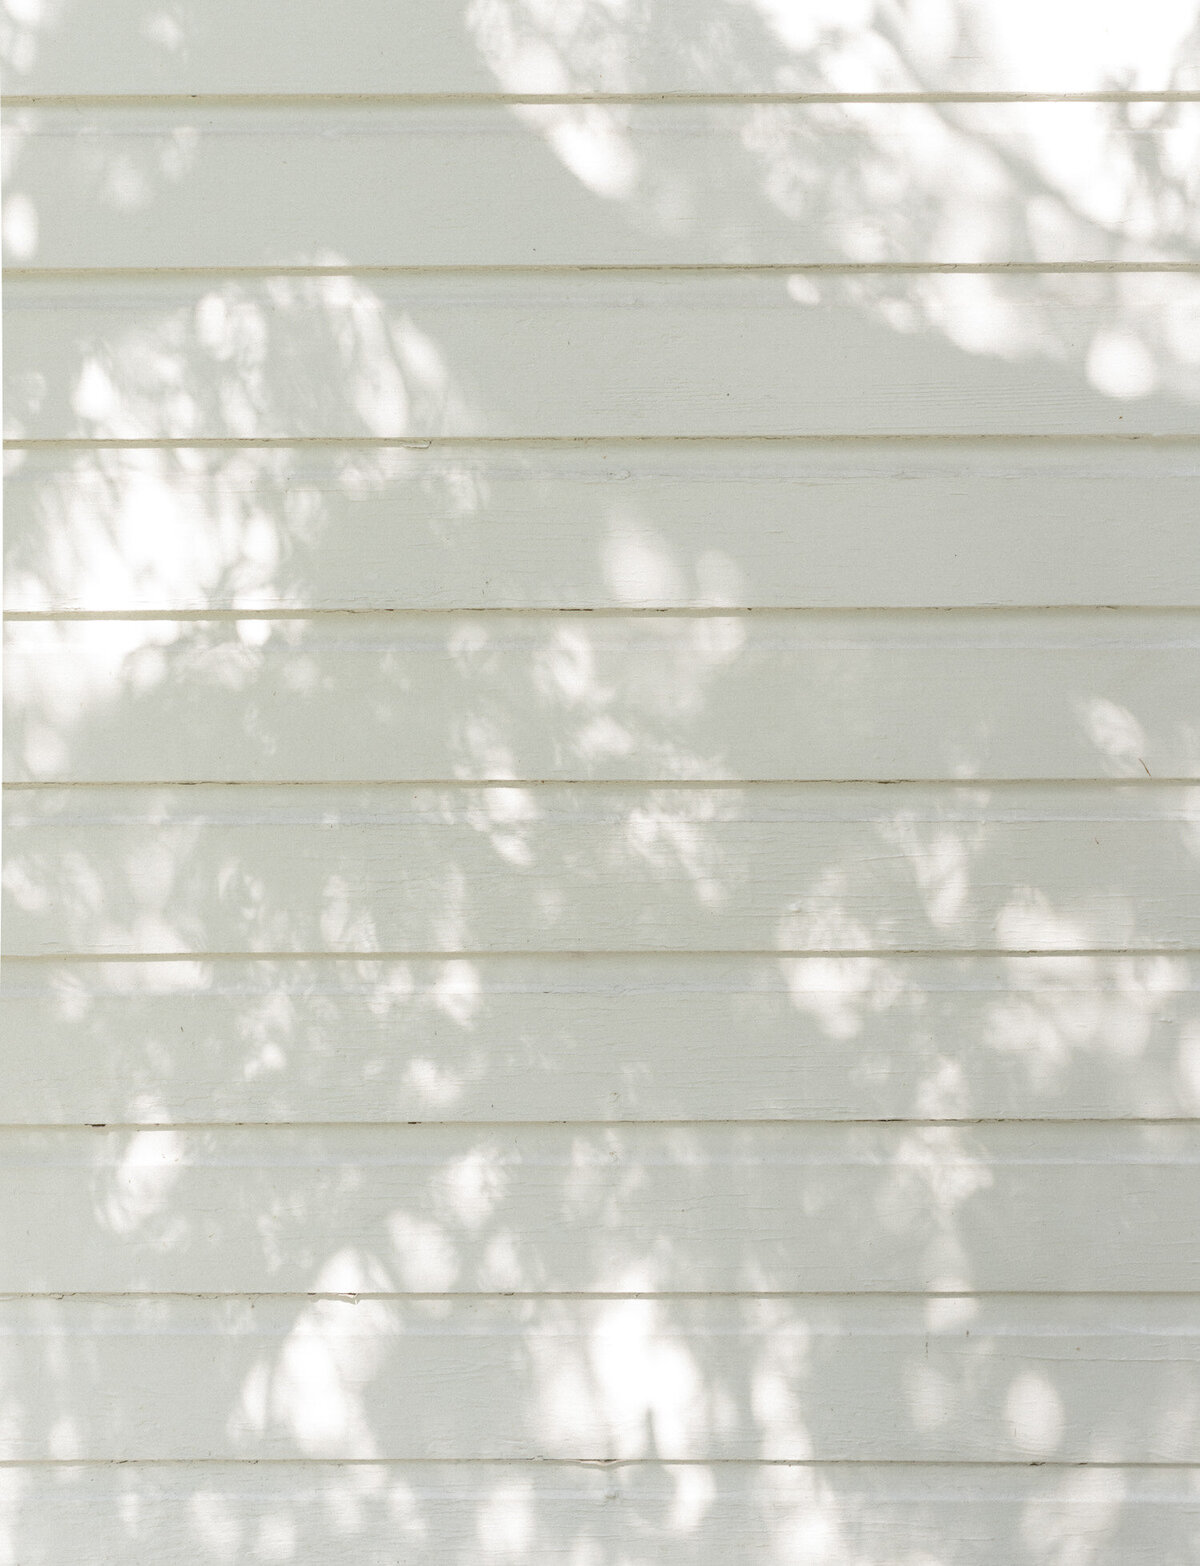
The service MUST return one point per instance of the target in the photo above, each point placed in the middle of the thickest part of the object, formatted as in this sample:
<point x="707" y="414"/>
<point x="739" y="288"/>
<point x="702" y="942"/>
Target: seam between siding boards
<point x="600" y="612"/>
<point x="622" y="785"/>
<point x="598" y="1296"/>
<point x="568" y="442"/>
<point x="673" y="784"/>
<point x="506" y="1127"/>
<point x="727" y="953"/>
<point x="570" y="269"/>
<point x="697" y="99"/>
<point x="605" y="1463"/>
<point x="709" y="611"/>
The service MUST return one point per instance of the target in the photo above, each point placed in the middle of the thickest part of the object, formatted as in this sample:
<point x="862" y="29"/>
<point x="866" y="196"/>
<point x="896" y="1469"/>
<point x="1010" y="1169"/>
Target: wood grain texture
<point x="648" y="1514"/>
<point x="602" y="354"/>
<point x="484" y="1173"/>
<point x="826" y="524"/>
<point x="449" y="47"/>
<point x="645" y="185"/>
<point x="600" y="1038"/>
<point x="1016" y="1380"/>
<point x="777" y="1207"/>
<point x="793" y="868"/>
<point x="378" y="698"/>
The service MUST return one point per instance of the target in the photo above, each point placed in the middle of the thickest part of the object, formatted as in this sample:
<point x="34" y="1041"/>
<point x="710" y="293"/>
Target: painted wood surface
<point x="487" y="1039"/>
<point x="638" y="525"/>
<point x="645" y="354"/>
<point x="694" y="1209"/>
<point x="451" y="47"/>
<point x="823" y="867"/>
<point x="624" y="185"/>
<point x="376" y="698"/>
<point x="959" y="1380"/>
<point x="667" y="1167"/>
<point x="644" y="1514"/>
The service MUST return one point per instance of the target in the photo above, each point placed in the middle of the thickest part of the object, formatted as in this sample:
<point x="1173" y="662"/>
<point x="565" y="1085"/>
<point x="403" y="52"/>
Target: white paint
<point x="650" y="354"/>
<point x="854" y="1514"/>
<point x="589" y="46"/>
<point x="667" y="524"/>
<point x="803" y="1162"/>
<point x="513" y="1381"/>
<point x="566" y="1208"/>
<point x="812" y="695"/>
<point x="769" y="867"/>
<point x="571" y="183"/>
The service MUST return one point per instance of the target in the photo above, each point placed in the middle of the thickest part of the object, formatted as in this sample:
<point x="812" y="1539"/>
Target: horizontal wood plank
<point x="776" y="1207"/>
<point x="443" y="46"/>
<point x="794" y="868"/>
<point x="560" y="185"/>
<point x="444" y="1514"/>
<point x="602" y="354"/>
<point x="632" y="1380"/>
<point x="600" y="1038"/>
<point x="814" y="695"/>
<point x="850" y="524"/>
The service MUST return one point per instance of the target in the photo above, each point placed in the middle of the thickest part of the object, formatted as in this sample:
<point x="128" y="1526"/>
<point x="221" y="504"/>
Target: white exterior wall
<point x="602" y="746"/>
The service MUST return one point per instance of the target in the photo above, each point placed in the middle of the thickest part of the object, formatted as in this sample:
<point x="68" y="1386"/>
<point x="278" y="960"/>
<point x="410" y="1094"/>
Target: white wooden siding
<point x="359" y="1515"/>
<point x="441" y="47"/>
<point x="615" y="1380"/>
<point x="353" y="186"/>
<point x="687" y="1037"/>
<point x="633" y="354"/>
<point x="572" y="1209"/>
<point x="201" y="869"/>
<point x="601" y="752"/>
<point x="653" y="525"/>
<point x="772" y="696"/>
